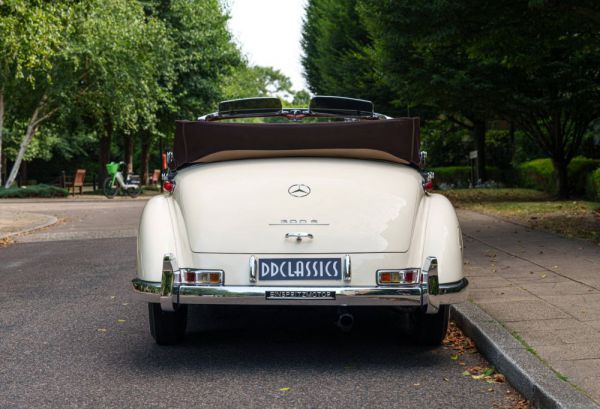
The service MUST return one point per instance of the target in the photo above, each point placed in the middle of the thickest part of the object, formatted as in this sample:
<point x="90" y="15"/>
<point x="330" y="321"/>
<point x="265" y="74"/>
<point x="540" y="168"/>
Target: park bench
<point x="77" y="181"/>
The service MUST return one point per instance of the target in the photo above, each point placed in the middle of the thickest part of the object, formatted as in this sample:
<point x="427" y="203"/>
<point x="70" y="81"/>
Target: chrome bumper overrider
<point x="413" y="296"/>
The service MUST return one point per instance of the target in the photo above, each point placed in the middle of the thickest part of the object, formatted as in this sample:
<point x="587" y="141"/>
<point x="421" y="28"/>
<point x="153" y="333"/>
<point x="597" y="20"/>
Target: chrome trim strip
<point x="347" y="269"/>
<point x="253" y="267"/>
<point x="408" y="296"/>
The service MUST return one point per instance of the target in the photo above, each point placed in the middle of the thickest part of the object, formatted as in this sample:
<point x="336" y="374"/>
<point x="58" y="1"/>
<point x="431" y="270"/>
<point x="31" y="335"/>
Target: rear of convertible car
<point x="317" y="231"/>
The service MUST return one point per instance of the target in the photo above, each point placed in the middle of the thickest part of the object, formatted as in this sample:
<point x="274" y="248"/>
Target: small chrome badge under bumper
<point x="300" y="295"/>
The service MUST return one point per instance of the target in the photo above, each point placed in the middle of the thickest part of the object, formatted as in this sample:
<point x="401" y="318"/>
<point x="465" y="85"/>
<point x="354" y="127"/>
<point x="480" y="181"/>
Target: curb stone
<point x="49" y="222"/>
<point x="525" y="372"/>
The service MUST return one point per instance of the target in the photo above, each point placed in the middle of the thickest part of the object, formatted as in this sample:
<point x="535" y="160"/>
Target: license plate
<point x="300" y="269"/>
<point x="300" y="295"/>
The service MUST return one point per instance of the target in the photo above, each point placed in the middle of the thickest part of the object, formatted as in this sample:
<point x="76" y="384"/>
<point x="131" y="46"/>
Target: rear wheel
<point x="167" y="328"/>
<point x="134" y="191"/>
<point x="430" y="329"/>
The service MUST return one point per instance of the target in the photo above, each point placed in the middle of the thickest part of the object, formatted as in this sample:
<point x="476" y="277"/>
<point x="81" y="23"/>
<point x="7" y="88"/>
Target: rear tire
<point x="134" y="191"/>
<point x="167" y="328"/>
<point x="430" y="329"/>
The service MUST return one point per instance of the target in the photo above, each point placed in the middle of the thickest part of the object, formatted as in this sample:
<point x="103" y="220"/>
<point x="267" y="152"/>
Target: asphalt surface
<point x="73" y="336"/>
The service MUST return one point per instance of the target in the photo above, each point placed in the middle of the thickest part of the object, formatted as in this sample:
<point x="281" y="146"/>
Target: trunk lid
<point x="248" y="206"/>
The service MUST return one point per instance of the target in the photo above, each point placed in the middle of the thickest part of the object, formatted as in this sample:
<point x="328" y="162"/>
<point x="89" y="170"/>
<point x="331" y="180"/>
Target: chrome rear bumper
<point x="428" y="294"/>
<point x="416" y="295"/>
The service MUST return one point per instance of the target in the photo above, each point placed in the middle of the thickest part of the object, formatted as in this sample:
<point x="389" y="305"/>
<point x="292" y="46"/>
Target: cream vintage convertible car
<point x="320" y="206"/>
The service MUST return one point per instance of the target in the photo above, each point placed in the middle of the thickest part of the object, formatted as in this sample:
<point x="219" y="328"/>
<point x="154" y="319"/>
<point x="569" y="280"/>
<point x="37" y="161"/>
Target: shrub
<point x="539" y="174"/>
<point x="593" y="185"/>
<point x="460" y="176"/>
<point x="33" y="191"/>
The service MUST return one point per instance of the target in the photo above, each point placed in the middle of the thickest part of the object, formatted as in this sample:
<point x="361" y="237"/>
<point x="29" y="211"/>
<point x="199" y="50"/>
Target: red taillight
<point x="164" y="161"/>
<point x="168" y="185"/>
<point x="410" y="277"/>
<point x="428" y="185"/>
<point x="190" y="276"/>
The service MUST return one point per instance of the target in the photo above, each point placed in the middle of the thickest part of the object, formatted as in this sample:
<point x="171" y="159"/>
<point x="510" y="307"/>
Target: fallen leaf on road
<point x="522" y="404"/>
<point x="454" y="357"/>
<point x="112" y="297"/>
<point x="101" y="330"/>
<point x="284" y="389"/>
<point x="7" y="241"/>
<point x="120" y="321"/>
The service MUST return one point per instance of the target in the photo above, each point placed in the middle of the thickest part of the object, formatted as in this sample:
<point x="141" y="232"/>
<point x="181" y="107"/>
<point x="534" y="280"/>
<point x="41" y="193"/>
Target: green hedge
<point x="33" y="191"/>
<point x="539" y="174"/>
<point x="593" y="185"/>
<point x="460" y="176"/>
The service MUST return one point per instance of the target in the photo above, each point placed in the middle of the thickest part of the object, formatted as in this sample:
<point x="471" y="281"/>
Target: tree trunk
<point x="29" y="133"/>
<point x="479" y="137"/>
<point x="1" y="129"/>
<point x="128" y="152"/>
<point x="23" y="174"/>
<point x="561" y="174"/>
<point x="104" y="150"/>
<point x="145" y="156"/>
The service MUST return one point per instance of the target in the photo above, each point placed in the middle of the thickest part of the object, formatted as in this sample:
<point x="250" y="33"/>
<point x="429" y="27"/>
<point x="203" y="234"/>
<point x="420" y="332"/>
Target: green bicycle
<point x="115" y="184"/>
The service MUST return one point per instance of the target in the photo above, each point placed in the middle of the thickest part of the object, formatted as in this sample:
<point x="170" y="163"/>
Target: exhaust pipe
<point x="345" y="322"/>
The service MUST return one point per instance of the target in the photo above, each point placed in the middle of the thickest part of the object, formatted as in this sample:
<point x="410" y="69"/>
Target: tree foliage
<point x="338" y="57"/>
<point x="533" y="63"/>
<point x="256" y="81"/>
<point x="33" y="35"/>
<point x="113" y="70"/>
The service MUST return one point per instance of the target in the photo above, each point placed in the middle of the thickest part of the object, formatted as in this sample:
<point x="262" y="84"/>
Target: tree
<point x="203" y="59"/>
<point x="121" y="59"/>
<point x="256" y="81"/>
<point x="32" y="37"/>
<point x="428" y="66"/>
<point x="338" y="57"/>
<point x="547" y="55"/>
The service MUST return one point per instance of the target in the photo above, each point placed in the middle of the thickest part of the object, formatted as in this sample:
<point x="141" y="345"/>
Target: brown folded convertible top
<point x="395" y="140"/>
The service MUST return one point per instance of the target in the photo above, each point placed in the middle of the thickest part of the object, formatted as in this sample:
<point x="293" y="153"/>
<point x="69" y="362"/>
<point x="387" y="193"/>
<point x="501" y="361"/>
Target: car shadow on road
<point x="269" y="338"/>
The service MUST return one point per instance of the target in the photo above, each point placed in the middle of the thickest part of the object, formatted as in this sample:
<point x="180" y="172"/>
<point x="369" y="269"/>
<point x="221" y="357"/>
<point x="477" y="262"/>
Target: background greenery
<point x="86" y="82"/>
<point x="514" y="80"/>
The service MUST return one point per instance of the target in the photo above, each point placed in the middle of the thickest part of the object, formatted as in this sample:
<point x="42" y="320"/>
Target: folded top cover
<point x="395" y="140"/>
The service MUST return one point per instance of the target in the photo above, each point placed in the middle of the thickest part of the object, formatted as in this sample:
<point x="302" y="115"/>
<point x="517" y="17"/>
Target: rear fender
<point x="161" y="232"/>
<point x="443" y="238"/>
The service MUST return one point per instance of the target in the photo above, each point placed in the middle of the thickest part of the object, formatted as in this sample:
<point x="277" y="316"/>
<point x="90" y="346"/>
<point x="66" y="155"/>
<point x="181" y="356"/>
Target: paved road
<point x="79" y="218"/>
<point x="71" y="335"/>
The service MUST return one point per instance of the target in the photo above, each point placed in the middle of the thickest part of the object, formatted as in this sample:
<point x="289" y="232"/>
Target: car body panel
<point x="353" y="206"/>
<point x="421" y="226"/>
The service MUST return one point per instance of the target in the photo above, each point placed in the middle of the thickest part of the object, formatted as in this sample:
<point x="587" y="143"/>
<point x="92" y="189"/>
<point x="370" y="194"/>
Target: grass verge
<point x="537" y="210"/>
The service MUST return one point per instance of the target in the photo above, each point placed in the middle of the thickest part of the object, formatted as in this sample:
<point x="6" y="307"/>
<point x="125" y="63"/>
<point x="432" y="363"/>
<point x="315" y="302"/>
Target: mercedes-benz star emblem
<point x="299" y="190"/>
